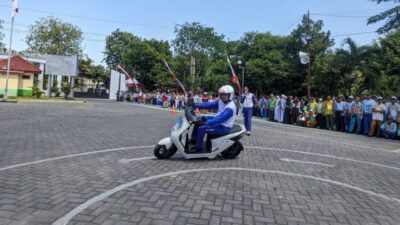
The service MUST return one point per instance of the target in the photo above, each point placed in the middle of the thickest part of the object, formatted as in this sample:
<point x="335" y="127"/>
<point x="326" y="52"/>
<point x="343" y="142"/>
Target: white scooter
<point x="227" y="146"/>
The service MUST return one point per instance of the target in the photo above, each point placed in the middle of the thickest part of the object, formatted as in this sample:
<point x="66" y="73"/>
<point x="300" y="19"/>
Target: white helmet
<point x="227" y="89"/>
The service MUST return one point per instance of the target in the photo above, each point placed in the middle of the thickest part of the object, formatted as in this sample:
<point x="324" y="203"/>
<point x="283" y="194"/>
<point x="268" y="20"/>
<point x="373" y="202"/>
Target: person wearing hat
<point x="296" y="104"/>
<point x="393" y="109"/>
<point x="204" y="97"/>
<point x="320" y="114"/>
<point x="356" y="114"/>
<point x="263" y="107"/>
<point x="389" y="129"/>
<point x="328" y="112"/>
<point x="339" y="114"/>
<point x="347" y="115"/>
<point x="277" y="108"/>
<point x="288" y="110"/>
<point x="368" y="104"/>
<point x="281" y="112"/>
<point x="377" y="117"/>
<point x="271" y="107"/>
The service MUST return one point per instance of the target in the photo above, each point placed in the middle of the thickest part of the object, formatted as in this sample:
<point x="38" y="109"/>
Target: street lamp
<point x="308" y="38"/>
<point x="241" y="67"/>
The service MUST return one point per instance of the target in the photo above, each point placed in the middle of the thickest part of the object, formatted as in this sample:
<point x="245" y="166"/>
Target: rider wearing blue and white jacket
<point x="222" y="123"/>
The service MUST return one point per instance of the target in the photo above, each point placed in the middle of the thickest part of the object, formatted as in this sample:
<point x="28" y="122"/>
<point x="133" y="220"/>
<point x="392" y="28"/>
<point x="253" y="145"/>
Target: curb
<point x="50" y="101"/>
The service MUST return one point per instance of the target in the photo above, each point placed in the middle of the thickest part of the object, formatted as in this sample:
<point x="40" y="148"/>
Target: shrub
<point x="35" y="89"/>
<point x="54" y="88"/>
<point x="66" y="89"/>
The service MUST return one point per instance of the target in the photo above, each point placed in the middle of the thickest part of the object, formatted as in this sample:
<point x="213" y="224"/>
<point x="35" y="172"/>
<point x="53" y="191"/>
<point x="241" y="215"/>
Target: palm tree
<point x="371" y="69"/>
<point x="349" y="62"/>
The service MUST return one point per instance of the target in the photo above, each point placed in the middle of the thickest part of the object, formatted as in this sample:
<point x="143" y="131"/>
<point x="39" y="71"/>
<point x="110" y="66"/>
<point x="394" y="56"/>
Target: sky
<point x="158" y="18"/>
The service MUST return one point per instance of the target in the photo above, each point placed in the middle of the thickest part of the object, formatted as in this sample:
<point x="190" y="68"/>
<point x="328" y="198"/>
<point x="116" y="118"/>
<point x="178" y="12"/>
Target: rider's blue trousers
<point x="210" y="130"/>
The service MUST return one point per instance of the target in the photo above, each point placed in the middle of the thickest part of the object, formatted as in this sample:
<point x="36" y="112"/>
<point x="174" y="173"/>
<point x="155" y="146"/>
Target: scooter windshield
<point x="179" y="122"/>
<point x="190" y="115"/>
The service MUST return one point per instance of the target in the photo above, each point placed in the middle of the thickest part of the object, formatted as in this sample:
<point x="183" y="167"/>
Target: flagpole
<point x="9" y="60"/>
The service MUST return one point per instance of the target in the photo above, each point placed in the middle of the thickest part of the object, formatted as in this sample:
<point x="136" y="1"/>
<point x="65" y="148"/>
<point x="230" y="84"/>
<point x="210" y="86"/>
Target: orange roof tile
<point x="20" y="65"/>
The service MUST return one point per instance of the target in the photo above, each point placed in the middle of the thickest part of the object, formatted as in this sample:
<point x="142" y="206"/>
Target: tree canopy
<point x="270" y="62"/>
<point x="390" y="16"/>
<point x="50" y="35"/>
<point x="2" y="45"/>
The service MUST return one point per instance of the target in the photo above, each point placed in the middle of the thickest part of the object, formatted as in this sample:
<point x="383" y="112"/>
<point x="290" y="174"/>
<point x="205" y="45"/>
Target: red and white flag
<point x="234" y="78"/>
<point x="14" y="8"/>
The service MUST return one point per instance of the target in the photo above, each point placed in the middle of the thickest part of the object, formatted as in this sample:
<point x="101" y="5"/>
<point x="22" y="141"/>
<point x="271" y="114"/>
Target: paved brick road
<point x="362" y="187"/>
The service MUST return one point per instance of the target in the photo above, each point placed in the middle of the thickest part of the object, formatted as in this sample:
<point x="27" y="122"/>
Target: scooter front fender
<point x="166" y="141"/>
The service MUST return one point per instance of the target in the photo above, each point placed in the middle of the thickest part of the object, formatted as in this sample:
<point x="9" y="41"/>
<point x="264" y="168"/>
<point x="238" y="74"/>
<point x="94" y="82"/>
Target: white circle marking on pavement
<point x="305" y="162"/>
<point x="67" y="217"/>
<point x="125" y="161"/>
<point x="73" y="155"/>
<point x="324" y="155"/>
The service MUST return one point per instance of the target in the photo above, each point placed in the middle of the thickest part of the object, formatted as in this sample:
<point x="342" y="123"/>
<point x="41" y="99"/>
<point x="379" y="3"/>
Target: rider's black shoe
<point x="193" y="149"/>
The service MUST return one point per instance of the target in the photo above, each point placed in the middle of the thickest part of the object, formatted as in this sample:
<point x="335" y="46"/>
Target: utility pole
<point x="308" y="38"/>
<point x="243" y="76"/>
<point x="192" y="70"/>
<point x="9" y="61"/>
<point x="119" y="88"/>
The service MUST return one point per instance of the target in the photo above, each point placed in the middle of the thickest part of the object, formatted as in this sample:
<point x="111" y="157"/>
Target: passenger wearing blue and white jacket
<point x="222" y="123"/>
<point x="249" y="101"/>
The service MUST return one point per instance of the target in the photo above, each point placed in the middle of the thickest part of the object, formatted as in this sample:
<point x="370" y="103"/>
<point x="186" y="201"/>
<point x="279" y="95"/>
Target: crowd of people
<point x="364" y="114"/>
<point x="168" y="99"/>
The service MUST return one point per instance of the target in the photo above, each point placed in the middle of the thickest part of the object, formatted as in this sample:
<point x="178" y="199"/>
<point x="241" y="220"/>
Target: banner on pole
<point x="14" y="8"/>
<point x="234" y="78"/>
<point x="304" y="57"/>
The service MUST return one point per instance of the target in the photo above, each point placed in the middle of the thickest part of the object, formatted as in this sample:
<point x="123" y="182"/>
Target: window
<point x="26" y="77"/>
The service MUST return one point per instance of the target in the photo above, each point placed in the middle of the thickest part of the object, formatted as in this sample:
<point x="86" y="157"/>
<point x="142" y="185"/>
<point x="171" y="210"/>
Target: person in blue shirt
<point x="222" y="123"/>
<point x="263" y="107"/>
<point x="389" y="129"/>
<point x="368" y="104"/>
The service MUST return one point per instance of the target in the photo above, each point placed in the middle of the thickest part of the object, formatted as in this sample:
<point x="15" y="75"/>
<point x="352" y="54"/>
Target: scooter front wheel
<point x="162" y="152"/>
<point x="233" y="151"/>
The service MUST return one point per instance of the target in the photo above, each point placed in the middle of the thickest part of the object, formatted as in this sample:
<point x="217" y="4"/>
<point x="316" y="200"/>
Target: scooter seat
<point x="234" y="129"/>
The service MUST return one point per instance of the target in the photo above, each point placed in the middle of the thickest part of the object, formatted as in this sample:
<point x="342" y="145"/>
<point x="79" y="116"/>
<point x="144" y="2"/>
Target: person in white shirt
<point x="249" y="101"/>
<point x="389" y="129"/>
<point x="393" y="109"/>
<point x="277" y="108"/>
<point x="282" y="108"/>
<point x="377" y="117"/>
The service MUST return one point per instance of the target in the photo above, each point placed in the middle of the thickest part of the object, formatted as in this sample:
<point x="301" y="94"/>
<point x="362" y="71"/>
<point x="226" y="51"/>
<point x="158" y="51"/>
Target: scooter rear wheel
<point x="233" y="151"/>
<point x="161" y="152"/>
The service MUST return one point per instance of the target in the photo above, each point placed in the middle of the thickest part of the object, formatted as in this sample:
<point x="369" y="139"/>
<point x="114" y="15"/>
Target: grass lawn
<point x="41" y="99"/>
